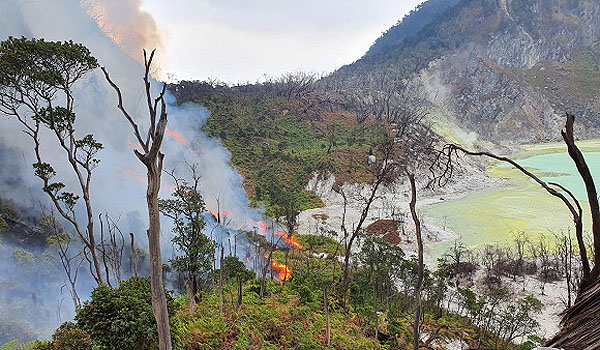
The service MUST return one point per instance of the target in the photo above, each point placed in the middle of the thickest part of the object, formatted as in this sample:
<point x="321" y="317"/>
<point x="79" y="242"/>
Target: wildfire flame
<point x="289" y="239"/>
<point x="222" y="212"/>
<point x="134" y="145"/>
<point x="285" y="271"/>
<point x="177" y="136"/>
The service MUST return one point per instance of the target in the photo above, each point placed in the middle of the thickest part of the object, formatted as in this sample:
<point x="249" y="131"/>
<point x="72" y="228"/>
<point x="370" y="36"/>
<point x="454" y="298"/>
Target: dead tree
<point x="151" y="156"/>
<point x="111" y="248"/>
<point x="575" y="210"/>
<point x="133" y="254"/>
<point x="419" y="286"/>
<point x="592" y="195"/>
<point x="71" y="263"/>
<point x="384" y="172"/>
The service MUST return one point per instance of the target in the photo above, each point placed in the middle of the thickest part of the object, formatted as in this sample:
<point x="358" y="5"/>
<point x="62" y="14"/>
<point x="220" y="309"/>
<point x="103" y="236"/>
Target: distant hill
<point x="496" y="70"/>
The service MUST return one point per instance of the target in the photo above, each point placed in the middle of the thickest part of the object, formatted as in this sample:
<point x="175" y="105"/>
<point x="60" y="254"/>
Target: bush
<point x="121" y="318"/>
<point x="70" y="337"/>
<point x="9" y="209"/>
<point x="42" y="345"/>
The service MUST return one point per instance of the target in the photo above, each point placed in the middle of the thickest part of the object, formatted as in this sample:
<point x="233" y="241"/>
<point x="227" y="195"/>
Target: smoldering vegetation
<point x="35" y="296"/>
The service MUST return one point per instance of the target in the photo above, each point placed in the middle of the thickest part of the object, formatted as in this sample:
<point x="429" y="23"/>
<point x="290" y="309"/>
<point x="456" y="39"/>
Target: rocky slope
<point x="506" y="70"/>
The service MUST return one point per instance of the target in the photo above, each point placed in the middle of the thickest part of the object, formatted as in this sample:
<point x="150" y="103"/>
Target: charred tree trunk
<point x="419" y="286"/>
<point x="159" y="299"/>
<point x="133" y="255"/>
<point x="151" y="156"/>
<point x="239" y="294"/>
<point x="592" y="193"/>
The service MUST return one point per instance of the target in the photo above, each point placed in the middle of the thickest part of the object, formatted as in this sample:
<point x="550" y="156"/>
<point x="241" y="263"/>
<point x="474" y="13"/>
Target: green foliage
<point x="273" y="140"/>
<point x="37" y="70"/>
<point x="186" y="208"/>
<point x="34" y="263"/>
<point x="42" y="345"/>
<point x="3" y="225"/>
<point x="320" y="243"/>
<point x="233" y="268"/>
<point x="16" y="345"/>
<point x="47" y="66"/>
<point x="69" y="337"/>
<point x="121" y="318"/>
<point x="9" y="209"/>
<point x="56" y="118"/>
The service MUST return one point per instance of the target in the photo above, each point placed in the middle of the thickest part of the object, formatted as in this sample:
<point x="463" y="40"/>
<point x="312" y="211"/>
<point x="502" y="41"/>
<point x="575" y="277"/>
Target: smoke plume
<point x="115" y="33"/>
<point x="130" y="28"/>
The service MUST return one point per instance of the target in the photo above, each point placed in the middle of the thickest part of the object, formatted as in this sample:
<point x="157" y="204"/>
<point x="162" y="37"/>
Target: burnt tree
<point x="151" y="156"/>
<point x="553" y="189"/>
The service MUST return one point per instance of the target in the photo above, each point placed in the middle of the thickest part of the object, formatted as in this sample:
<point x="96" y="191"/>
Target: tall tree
<point x="151" y="156"/>
<point x="37" y="81"/>
<point x="186" y="209"/>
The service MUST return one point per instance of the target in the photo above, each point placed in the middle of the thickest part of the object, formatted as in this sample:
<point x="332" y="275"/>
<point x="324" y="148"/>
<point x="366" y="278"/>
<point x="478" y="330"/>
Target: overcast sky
<point x="240" y="40"/>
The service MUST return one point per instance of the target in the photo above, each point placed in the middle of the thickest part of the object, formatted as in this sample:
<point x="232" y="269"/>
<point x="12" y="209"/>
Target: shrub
<point x="70" y="337"/>
<point x="121" y="318"/>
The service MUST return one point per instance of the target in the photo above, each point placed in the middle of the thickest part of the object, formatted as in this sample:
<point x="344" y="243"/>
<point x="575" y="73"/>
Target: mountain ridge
<point x="504" y="69"/>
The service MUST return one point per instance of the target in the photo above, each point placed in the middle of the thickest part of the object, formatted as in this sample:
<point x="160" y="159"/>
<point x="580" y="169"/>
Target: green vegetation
<point x="197" y="251"/>
<point x="292" y="314"/>
<point x="274" y="141"/>
<point x="121" y="318"/>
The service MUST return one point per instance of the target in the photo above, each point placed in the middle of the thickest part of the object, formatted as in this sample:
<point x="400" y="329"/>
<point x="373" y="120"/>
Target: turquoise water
<point x="493" y="215"/>
<point x="563" y="170"/>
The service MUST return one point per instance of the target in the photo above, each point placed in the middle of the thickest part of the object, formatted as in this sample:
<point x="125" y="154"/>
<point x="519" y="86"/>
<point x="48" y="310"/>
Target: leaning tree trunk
<point x="419" y="286"/>
<point x="575" y="210"/>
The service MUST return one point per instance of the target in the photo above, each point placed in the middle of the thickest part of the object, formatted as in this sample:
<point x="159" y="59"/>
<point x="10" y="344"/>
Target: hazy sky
<point x="240" y="40"/>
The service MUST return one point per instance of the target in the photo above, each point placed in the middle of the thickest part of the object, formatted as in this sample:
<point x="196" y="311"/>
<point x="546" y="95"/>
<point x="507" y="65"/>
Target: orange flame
<point x="285" y="271"/>
<point x="222" y="212"/>
<point x="289" y="239"/>
<point x="177" y="136"/>
<point x="134" y="145"/>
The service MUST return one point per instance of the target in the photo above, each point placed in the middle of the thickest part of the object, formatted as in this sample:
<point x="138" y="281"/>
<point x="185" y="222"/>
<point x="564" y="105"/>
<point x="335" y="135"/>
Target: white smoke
<point x="119" y="182"/>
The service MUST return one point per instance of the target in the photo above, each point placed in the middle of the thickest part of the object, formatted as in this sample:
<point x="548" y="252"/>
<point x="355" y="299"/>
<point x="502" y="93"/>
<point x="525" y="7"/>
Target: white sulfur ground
<point x="393" y="203"/>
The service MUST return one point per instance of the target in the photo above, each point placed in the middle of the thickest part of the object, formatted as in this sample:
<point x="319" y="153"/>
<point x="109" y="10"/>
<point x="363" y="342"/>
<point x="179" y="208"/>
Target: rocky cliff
<point x="496" y="70"/>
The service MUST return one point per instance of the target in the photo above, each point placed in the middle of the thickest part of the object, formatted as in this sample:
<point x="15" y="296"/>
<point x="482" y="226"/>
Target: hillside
<point x="503" y="69"/>
<point x="279" y="142"/>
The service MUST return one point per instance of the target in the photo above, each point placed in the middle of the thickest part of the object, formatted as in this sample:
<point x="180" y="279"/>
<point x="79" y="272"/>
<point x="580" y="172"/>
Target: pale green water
<point x="561" y="163"/>
<point x="491" y="216"/>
